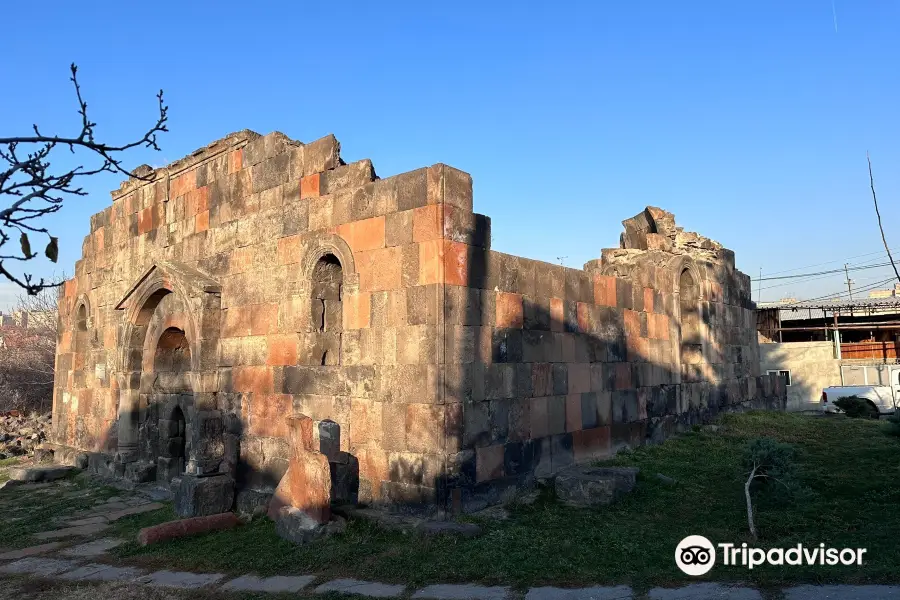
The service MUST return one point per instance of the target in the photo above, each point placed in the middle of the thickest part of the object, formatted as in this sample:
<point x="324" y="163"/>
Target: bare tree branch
<point x="33" y="190"/>
<point x="878" y="214"/>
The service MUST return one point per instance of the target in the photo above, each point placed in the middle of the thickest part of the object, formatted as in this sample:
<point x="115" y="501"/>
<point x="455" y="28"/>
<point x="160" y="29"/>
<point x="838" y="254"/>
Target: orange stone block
<point x="183" y="184"/>
<point x="425" y="427"/>
<point x="201" y="222"/>
<point x="235" y="161"/>
<point x="309" y="186"/>
<point x="241" y="260"/>
<point x="373" y="469"/>
<point x="428" y="223"/>
<point x="282" y="350"/>
<point x="263" y="318"/>
<point x="456" y="263"/>
<point x="367" y="234"/>
<point x="357" y="310"/>
<point x="236" y="322"/>
<point x="605" y="290"/>
<point x="288" y="251"/>
<point x="509" y="310"/>
<point x="365" y="422"/>
<point x="268" y="414"/>
<point x="557" y="318"/>
<point x="145" y="220"/>
<point x="431" y="262"/>
<point x="662" y="327"/>
<point x="583" y="316"/>
<point x="258" y="380"/>
<point x="70" y="288"/>
<point x="648" y="300"/>
<point x="632" y="323"/>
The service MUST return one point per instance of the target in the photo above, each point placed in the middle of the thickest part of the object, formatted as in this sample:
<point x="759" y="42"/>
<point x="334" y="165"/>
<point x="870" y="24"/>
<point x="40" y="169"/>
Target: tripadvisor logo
<point x="695" y="555"/>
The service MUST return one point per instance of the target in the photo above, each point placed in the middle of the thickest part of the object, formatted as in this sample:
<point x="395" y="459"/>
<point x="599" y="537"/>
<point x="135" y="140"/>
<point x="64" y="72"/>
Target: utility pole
<point x="850" y="282"/>
<point x="758" y="287"/>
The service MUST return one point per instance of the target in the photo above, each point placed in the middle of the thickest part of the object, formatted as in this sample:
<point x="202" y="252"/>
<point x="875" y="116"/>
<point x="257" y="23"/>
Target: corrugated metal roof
<point x="820" y="309"/>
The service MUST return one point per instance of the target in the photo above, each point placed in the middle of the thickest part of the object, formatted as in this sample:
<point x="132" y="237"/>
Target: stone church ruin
<point x="260" y="315"/>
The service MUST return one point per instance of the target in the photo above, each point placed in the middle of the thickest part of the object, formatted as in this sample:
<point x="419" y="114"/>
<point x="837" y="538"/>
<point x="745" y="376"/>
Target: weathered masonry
<point x="260" y="278"/>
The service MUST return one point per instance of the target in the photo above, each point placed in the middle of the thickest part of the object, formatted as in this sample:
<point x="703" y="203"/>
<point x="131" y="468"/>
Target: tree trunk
<point x="750" y="503"/>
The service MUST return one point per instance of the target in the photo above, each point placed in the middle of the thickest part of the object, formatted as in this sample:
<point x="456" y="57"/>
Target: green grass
<point x="29" y="511"/>
<point x="5" y="465"/>
<point x="849" y="465"/>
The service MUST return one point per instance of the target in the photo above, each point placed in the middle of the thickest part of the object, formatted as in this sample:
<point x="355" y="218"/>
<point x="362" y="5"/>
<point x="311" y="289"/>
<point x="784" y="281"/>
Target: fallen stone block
<point x="39" y="473"/>
<point x="592" y="486"/>
<point x="363" y="588"/>
<point x="185" y="527"/>
<point x="202" y="496"/>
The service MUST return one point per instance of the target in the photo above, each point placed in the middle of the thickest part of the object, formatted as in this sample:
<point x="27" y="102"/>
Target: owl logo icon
<point x="695" y="555"/>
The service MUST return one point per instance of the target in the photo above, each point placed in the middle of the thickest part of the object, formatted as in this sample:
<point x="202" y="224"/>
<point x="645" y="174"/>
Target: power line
<point x="841" y="270"/>
<point x="838" y="260"/>
<point x="840" y="294"/>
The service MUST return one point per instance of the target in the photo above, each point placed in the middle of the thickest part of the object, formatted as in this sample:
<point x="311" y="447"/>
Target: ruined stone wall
<point x="225" y="247"/>
<point x="261" y="278"/>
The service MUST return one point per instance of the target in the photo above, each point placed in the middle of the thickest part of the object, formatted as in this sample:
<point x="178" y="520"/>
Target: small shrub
<point x="856" y="407"/>
<point x="768" y="465"/>
<point x="893" y="427"/>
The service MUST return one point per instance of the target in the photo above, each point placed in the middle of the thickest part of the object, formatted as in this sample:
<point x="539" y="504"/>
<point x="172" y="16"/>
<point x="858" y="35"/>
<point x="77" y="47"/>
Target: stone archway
<point x="166" y="367"/>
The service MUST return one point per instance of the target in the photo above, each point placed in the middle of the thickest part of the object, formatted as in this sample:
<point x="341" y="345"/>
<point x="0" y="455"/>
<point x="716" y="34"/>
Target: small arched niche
<point x="326" y="309"/>
<point x="172" y="361"/>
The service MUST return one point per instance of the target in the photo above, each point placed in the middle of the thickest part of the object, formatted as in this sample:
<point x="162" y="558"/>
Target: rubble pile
<point x="21" y="434"/>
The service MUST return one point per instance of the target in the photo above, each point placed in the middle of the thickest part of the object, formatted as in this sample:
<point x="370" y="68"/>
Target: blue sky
<point x="749" y="120"/>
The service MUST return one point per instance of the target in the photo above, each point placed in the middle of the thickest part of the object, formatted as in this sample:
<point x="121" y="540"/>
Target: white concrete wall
<point x="812" y="366"/>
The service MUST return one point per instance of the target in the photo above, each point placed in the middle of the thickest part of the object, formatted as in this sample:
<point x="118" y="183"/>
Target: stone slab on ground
<point x="81" y="531"/>
<point x="363" y="588"/>
<point x="86" y="521"/>
<point x="30" y="551"/>
<point x="619" y="592"/>
<point x="40" y="473"/>
<point x="42" y="567"/>
<point x="463" y="592"/>
<point x="93" y="548"/>
<point x="180" y="579"/>
<point x="115" y="574"/>
<point x="705" y="591"/>
<point x="133" y="510"/>
<point x="842" y="592"/>
<point x="278" y="584"/>
<point x="591" y="486"/>
<point x="83" y="572"/>
<point x="468" y="530"/>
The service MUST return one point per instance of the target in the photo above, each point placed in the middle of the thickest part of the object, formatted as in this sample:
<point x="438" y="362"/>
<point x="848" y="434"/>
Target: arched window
<point x="327" y="312"/>
<point x="81" y="318"/>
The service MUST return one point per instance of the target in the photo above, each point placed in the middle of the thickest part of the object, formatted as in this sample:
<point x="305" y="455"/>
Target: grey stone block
<point x="619" y="592"/>
<point x="42" y="567"/>
<point x="463" y="591"/>
<point x="711" y="591"/>
<point x="589" y="486"/>
<point x="93" y="548"/>
<point x="180" y="579"/>
<point x="44" y="473"/>
<point x="278" y="584"/>
<point x="202" y="496"/>
<point x="114" y="574"/>
<point x="363" y="588"/>
<point x="842" y="592"/>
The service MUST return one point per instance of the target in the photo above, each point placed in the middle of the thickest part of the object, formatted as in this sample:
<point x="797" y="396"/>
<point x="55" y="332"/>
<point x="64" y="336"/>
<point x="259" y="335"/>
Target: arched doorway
<point x="171" y="391"/>
<point x="326" y="309"/>
<point x="691" y="333"/>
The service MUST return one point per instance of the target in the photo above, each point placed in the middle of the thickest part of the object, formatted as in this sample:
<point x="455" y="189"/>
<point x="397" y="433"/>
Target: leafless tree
<point x="878" y="214"/>
<point x="31" y="188"/>
<point x="28" y="352"/>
